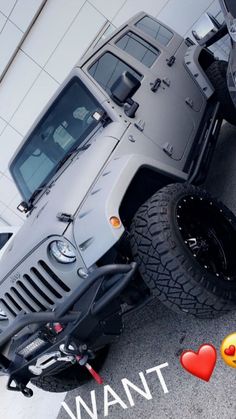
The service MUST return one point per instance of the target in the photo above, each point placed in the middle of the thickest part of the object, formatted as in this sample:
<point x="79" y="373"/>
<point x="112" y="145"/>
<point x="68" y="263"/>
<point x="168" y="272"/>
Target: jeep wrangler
<point x="109" y="177"/>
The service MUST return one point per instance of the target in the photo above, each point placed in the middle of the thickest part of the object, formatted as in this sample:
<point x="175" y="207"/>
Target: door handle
<point x="130" y="108"/>
<point x="156" y="85"/>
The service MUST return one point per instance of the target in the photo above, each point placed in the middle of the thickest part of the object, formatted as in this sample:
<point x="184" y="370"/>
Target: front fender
<point x="93" y="233"/>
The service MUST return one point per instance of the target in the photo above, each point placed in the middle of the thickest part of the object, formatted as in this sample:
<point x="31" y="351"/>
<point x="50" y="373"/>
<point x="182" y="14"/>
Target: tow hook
<point x="82" y="359"/>
<point x="90" y="369"/>
<point x="47" y="360"/>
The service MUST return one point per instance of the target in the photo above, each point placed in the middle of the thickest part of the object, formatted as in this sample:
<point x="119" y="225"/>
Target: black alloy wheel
<point x="209" y="235"/>
<point x="184" y="243"/>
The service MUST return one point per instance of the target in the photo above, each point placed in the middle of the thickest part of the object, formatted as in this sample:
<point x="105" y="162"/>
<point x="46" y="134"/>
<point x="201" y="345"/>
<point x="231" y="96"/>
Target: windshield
<point x="65" y="126"/>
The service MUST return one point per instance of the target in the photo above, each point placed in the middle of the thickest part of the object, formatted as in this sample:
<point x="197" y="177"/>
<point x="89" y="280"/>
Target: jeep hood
<point x="66" y="195"/>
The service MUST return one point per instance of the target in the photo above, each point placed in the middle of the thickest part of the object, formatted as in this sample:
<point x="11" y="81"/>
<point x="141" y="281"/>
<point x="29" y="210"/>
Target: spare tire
<point x="184" y="242"/>
<point x="217" y="74"/>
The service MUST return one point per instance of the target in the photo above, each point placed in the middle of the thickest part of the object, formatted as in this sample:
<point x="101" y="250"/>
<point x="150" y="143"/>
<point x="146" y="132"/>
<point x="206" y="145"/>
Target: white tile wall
<point x="107" y="7"/>
<point x="134" y="6"/>
<point x="24" y="11"/>
<point x="182" y="15"/>
<point x="7" y="174"/>
<point x="214" y="7"/>
<point x="3" y="221"/>
<point x="16" y="19"/>
<point x="10" y="38"/>
<point x="3" y="20"/>
<point x="6" y="6"/>
<point x="11" y="217"/>
<point x="9" y="141"/>
<point x="50" y="27"/>
<point x="16" y="83"/>
<point x="3" y="207"/>
<point x="75" y="42"/>
<point x="104" y="34"/>
<point x="2" y="125"/>
<point x="8" y="190"/>
<point x="33" y="103"/>
<point x="14" y="204"/>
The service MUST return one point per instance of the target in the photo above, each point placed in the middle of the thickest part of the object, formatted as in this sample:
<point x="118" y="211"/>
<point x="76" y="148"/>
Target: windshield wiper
<point x="47" y="185"/>
<point x="74" y="150"/>
<point x="35" y="193"/>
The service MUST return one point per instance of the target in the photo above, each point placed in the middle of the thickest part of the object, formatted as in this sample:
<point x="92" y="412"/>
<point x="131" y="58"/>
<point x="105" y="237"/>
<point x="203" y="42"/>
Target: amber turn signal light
<point x="115" y="222"/>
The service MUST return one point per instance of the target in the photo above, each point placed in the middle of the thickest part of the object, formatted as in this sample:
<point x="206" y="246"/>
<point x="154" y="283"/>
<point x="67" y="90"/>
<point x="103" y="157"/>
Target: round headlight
<point x="62" y="251"/>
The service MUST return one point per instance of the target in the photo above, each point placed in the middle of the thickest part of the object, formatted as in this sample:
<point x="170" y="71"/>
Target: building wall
<point x="39" y="49"/>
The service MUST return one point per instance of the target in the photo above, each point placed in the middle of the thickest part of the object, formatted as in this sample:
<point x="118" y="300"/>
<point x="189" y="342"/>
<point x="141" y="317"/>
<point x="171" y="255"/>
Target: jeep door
<point x="169" y="99"/>
<point x="163" y="115"/>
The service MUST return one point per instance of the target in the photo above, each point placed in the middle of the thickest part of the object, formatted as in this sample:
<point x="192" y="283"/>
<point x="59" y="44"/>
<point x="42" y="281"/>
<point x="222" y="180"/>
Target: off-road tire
<point x="166" y="263"/>
<point x="217" y="74"/>
<point x="71" y="377"/>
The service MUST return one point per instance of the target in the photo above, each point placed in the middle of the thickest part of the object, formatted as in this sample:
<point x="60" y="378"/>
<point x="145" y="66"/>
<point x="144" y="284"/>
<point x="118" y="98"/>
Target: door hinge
<point x="189" y="102"/>
<point x="140" y="125"/>
<point x="189" y="42"/>
<point x="65" y="218"/>
<point x="170" y="61"/>
<point x="156" y="85"/>
<point x="168" y="149"/>
<point x="167" y="82"/>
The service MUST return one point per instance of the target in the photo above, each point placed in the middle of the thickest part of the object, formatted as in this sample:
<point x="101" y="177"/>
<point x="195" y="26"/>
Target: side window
<point x="4" y="237"/>
<point x="155" y="30"/>
<point x="108" y="68"/>
<point x="138" y="48"/>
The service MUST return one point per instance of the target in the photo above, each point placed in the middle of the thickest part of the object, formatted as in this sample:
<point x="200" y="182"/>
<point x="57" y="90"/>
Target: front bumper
<point x="90" y="316"/>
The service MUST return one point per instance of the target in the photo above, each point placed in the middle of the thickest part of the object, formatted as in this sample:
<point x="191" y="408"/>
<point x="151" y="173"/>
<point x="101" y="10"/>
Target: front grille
<point x="37" y="290"/>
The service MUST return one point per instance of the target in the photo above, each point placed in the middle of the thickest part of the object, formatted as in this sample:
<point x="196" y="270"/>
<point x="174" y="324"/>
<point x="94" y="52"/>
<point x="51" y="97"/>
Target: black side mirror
<point x="124" y="88"/>
<point x="122" y="91"/>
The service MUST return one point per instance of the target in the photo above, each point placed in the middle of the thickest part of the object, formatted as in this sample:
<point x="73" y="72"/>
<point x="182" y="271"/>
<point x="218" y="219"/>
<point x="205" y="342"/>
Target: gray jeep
<point x="108" y="176"/>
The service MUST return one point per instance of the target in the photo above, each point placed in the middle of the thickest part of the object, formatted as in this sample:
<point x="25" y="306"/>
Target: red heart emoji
<point x="230" y="351"/>
<point x="202" y="363"/>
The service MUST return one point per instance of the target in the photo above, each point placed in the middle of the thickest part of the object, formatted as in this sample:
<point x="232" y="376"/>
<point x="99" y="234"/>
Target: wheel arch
<point x="206" y="58"/>
<point x="117" y="185"/>
<point x="144" y="184"/>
